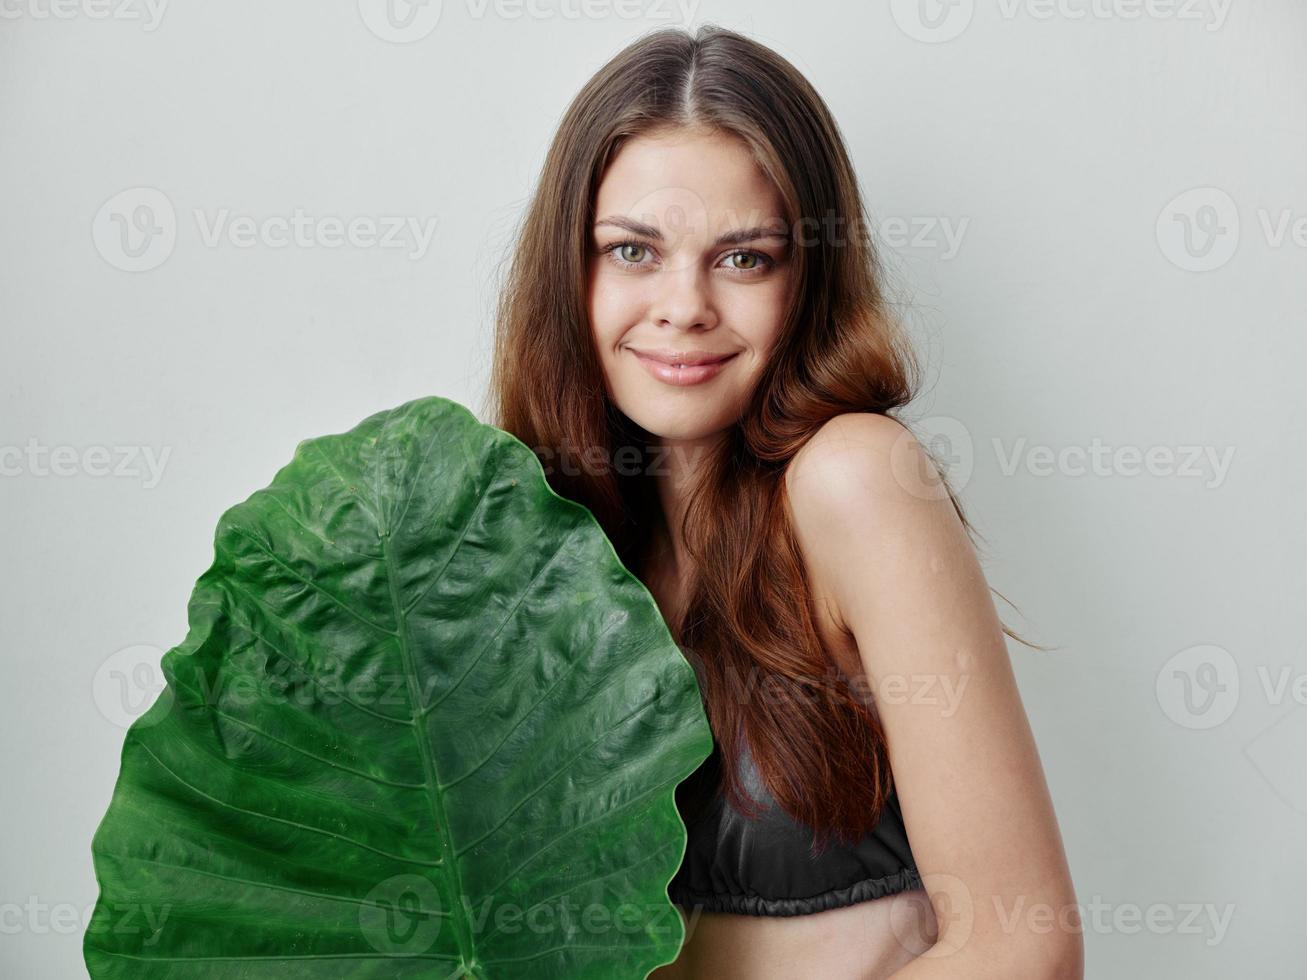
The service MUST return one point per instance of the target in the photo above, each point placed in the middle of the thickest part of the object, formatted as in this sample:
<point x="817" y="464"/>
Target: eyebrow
<point x="735" y="237"/>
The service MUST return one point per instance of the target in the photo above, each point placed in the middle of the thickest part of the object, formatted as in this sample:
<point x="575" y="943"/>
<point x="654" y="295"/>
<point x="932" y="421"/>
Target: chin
<point x="686" y="424"/>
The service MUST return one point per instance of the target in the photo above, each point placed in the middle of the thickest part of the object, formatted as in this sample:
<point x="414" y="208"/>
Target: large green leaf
<point x="424" y="723"/>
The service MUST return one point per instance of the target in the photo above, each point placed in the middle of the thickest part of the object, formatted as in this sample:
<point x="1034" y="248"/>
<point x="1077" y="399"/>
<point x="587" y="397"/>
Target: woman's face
<point x="690" y="259"/>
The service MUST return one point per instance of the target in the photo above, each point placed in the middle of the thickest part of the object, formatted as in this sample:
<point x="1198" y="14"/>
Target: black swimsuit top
<point x="764" y="866"/>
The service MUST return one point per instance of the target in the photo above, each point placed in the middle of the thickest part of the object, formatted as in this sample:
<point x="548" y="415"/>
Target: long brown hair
<point x="750" y="614"/>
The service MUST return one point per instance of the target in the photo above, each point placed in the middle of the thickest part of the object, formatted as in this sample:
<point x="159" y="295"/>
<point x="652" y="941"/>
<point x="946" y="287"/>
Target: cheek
<point x="757" y="316"/>
<point x="610" y="320"/>
<point x="614" y="307"/>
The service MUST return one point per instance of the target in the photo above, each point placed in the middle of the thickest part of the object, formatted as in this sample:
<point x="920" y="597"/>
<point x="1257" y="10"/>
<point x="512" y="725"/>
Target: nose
<point x="683" y="299"/>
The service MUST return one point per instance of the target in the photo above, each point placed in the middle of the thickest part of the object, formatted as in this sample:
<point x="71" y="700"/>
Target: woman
<point x="694" y="338"/>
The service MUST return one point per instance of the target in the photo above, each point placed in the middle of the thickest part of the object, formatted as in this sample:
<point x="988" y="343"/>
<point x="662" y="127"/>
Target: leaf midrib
<point x="435" y="799"/>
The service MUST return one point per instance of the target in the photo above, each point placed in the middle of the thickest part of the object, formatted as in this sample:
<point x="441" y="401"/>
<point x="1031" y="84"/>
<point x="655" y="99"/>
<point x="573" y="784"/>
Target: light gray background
<point x="1062" y="141"/>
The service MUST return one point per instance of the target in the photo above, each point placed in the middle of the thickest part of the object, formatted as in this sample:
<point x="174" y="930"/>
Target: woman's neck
<point x="679" y="465"/>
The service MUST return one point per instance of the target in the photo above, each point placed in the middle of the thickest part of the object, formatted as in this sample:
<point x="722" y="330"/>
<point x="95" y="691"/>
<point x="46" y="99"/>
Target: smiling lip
<point x="696" y="367"/>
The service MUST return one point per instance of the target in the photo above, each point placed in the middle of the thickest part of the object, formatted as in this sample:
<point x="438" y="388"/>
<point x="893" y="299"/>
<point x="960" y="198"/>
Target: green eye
<point x="749" y="257"/>
<point x="625" y="251"/>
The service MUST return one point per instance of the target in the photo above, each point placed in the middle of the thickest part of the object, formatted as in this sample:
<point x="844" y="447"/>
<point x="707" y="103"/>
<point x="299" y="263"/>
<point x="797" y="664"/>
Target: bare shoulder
<point x="863" y="452"/>
<point x="863" y="480"/>
<point x="867" y="476"/>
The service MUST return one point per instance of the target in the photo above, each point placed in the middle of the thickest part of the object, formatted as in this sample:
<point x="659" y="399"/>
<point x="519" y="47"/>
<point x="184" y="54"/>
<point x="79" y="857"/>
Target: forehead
<point x="704" y="182"/>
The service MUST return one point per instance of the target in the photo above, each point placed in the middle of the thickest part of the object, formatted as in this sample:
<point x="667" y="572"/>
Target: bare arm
<point x="907" y="586"/>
